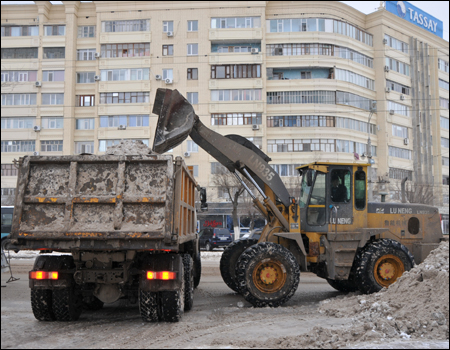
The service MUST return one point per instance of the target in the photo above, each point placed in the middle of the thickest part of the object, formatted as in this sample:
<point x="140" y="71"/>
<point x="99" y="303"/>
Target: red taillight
<point x="161" y="275"/>
<point x="214" y="236"/>
<point x="43" y="275"/>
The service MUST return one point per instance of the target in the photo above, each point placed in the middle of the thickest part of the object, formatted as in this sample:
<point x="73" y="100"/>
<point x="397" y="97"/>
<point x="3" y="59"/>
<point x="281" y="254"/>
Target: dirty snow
<point x="129" y="147"/>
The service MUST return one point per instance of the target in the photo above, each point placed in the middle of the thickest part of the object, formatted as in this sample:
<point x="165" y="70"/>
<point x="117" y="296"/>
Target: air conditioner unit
<point x="168" y="81"/>
<point x="278" y="51"/>
<point x="255" y="50"/>
<point x="255" y="127"/>
<point x="391" y="112"/>
<point x="97" y="55"/>
<point x="158" y="77"/>
<point x="37" y="128"/>
<point x="122" y="127"/>
<point x="169" y="33"/>
<point x="187" y="154"/>
<point x="96" y="77"/>
<point x="38" y="84"/>
<point x="388" y="89"/>
<point x="406" y="141"/>
<point x="35" y="153"/>
<point x="384" y="41"/>
<point x="386" y="68"/>
<point x="402" y="97"/>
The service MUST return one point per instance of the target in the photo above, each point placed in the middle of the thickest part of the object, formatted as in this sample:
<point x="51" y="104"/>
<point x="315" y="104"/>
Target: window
<point x="398" y="87"/>
<point x="125" y="50"/>
<point x="192" y="146"/>
<point x="167" y="74"/>
<point x="128" y="120"/>
<point x="195" y="168"/>
<point x="18" y="146"/>
<point x="85" y="124"/>
<point x="86" y="32"/>
<point x="257" y="141"/>
<point x="236" y="95"/>
<point x="360" y="190"/>
<point x="52" y="146"/>
<point x="217" y="169"/>
<point x="9" y="170"/>
<point x="444" y="123"/>
<point x="124" y="97"/>
<point x="53" y="75"/>
<point x="19" y="76"/>
<point x="85" y="100"/>
<point x="52" y="123"/>
<point x="399" y="131"/>
<point x="19" y="53"/>
<point x="400" y="152"/>
<point x="316" y="211"/>
<point x="288" y="97"/>
<point x="85" y="78"/>
<point x="18" y="123"/>
<point x="52" y="99"/>
<point x="192" y="49"/>
<point x="286" y="169"/>
<point x="397" y="66"/>
<point x="340" y="186"/>
<point x="18" y="99"/>
<point x="398" y="108"/>
<point x="400" y="174"/>
<point x="54" y="52"/>
<point x="167" y="26"/>
<point x="305" y="75"/>
<point x="351" y="77"/>
<point x="192" y="74"/>
<point x="236" y="22"/>
<point x="226" y="49"/>
<point x="7" y="218"/>
<point x="20" y="30"/>
<point x="192" y="26"/>
<point x="443" y="102"/>
<point x="445" y="161"/>
<point x="396" y="44"/>
<point x="124" y="74"/>
<point x="236" y="71"/>
<point x="444" y="142"/>
<point x="236" y="119"/>
<point x="443" y="65"/>
<point x="192" y="97"/>
<point x="86" y="55"/>
<point x="137" y="25"/>
<point x="54" y="30"/>
<point x="443" y="84"/>
<point x="167" y="50"/>
<point x="84" y="147"/>
<point x="445" y="180"/>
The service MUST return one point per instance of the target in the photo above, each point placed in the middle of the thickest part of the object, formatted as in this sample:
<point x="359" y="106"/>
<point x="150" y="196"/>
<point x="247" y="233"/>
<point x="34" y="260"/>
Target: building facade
<point x="305" y="81"/>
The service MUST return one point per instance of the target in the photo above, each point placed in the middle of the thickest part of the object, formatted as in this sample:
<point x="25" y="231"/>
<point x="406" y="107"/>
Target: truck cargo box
<point x="110" y="202"/>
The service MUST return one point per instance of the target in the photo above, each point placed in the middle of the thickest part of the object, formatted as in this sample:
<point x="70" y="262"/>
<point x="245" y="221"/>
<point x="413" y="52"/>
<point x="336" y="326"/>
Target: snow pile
<point x="129" y="147"/>
<point x="416" y="306"/>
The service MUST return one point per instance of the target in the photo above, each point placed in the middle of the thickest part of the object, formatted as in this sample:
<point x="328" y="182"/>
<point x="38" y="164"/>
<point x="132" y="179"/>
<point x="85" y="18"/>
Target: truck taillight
<point x="161" y="275"/>
<point x="43" y="275"/>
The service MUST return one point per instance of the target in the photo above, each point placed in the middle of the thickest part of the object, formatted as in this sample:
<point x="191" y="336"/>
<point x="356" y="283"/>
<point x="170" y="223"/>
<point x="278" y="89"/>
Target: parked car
<point x="211" y="238"/>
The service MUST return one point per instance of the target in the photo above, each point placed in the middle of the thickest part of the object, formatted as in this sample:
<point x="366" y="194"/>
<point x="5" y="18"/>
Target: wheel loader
<point x="331" y="230"/>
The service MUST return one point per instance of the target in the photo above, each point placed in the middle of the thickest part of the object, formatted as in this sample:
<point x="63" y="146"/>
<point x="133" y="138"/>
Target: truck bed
<point x="109" y="202"/>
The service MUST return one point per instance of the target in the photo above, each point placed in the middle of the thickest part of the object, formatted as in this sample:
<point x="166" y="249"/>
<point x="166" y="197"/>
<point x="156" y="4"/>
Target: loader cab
<point x="333" y="197"/>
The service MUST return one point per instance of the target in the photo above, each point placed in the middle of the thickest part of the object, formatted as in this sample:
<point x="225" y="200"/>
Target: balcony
<point x="125" y="37"/>
<point x="232" y="83"/>
<point x="235" y="58"/>
<point x="236" y="34"/>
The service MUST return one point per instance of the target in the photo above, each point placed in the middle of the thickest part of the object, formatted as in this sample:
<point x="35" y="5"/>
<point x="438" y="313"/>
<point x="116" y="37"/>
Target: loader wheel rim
<point x="269" y="276"/>
<point x="388" y="269"/>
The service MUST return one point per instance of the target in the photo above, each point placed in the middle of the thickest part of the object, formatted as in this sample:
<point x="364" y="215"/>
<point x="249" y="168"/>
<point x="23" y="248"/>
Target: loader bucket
<point x="175" y="122"/>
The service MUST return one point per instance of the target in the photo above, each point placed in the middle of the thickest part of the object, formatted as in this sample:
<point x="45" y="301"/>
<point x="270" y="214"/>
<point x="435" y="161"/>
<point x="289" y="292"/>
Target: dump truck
<point x="122" y="227"/>
<point x="331" y="230"/>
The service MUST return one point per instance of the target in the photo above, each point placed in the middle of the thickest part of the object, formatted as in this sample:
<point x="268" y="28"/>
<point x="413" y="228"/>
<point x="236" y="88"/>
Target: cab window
<point x="360" y="190"/>
<point x="316" y="207"/>
<point x="340" y="186"/>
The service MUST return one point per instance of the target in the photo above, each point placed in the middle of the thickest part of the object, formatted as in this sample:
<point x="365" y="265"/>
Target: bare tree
<point x="415" y="193"/>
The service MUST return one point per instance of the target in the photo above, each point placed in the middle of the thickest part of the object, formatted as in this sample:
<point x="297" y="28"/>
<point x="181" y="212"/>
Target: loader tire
<point x="343" y="286"/>
<point x="197" y="269"/>
<point x="41" y="304"/>
<point x="66" y="304"/>
<point x="172" y="303"/>
<point x="267" y="274"/>
<point x="148" y="306"/>
<point x="381" y="263"/>
<point x="229" y="259"/>
<point x="188" y="266"/>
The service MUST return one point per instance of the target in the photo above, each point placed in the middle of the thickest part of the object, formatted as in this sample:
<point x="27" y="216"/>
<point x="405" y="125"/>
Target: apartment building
<point x="305" y="81"/>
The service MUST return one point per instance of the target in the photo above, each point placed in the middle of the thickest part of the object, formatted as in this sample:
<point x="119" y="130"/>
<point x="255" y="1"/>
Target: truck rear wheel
<point x="41" y="304"/>
<point x="229" y="259"/>
<point x="381" y="264"/>
<point x="267" y="274"/>
<point x="188" y="282"/>
<point x="148" y="306"/>
<point x="197" y="269"/>
<point x="66" y="304"/>
<point x="172" y="303"/>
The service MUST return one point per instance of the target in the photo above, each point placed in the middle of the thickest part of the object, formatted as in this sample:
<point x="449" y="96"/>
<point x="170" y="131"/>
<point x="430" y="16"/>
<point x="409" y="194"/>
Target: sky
<point x="438" y="9"/>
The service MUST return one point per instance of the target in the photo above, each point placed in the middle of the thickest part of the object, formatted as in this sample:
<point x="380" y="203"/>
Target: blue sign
<point x="412" y="14"/>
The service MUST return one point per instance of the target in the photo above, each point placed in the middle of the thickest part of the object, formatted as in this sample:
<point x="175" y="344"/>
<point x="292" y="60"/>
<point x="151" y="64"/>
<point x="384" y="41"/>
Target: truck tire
<point x="381" y="263"/>
<point x="148" y="306"/>
<point x="172" y="303"/>
<point x="267" y="274"/>
<point x="188" y="266"/>
<point x="41" y="304"/>
<point x="93" y="304"/>
<point x="197" y="269"/>
<point x="229" y="259"/>
<point x="66" y="304"/>
<point x="343" y="286"/>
